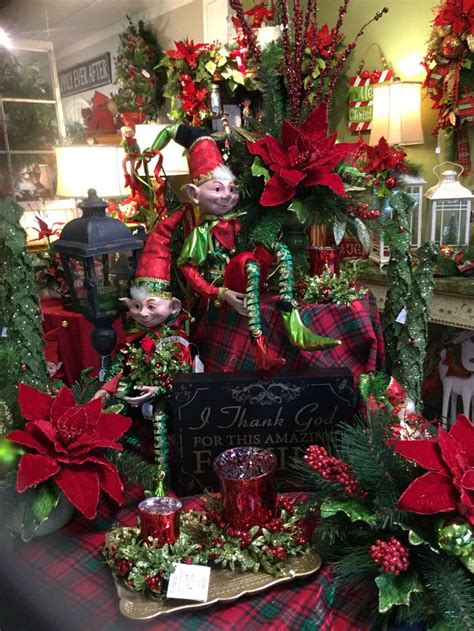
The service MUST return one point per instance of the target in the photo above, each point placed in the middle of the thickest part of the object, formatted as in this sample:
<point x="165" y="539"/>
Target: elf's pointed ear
<point x="191" y="191"/>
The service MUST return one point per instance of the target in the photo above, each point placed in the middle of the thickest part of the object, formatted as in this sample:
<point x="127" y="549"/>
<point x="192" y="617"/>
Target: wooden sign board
<point x="212" y="412"/>
<point x="85" y="76"/>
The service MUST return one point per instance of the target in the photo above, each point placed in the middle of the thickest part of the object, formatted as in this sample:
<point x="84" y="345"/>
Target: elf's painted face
<point x="152" y="311"/>
<point x="216" y="197"/>
<point x="129" y="210"/>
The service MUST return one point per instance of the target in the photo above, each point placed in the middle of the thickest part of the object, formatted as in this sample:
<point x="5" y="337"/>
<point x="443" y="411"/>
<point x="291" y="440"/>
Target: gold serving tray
<point x="225" y="586"/>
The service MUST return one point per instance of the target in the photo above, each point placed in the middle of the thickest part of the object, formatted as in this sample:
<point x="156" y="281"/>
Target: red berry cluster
<point x="245" y="539"/>
<point x="391" y="555"/>
<point x="278" y="552"/>
<point x="300" y="289"/>
<point x="123" y="567"/>
<point x="154" y="583"/>
<point x="361" y="210"/>
<point x="165" y="380"/>
<point x="286" y="503"/>
<point x="333" y="469"/>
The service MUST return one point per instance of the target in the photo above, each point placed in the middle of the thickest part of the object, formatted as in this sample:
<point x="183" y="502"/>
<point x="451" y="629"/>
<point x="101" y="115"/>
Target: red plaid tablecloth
<point x="224" y="343"/>
<point x="59" y="583"/>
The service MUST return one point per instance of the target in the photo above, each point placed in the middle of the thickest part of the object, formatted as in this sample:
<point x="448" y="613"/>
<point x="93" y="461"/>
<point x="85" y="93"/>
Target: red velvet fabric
<point x="75" y="348"/>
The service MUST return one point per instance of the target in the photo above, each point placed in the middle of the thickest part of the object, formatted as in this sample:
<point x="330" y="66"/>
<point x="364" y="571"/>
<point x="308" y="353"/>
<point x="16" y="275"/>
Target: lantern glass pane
<point x="451" y="218"/>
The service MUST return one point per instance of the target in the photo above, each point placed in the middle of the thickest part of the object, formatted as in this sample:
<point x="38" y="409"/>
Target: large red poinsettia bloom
<point x="449" y="483"/>
<point x="68" y="440"/>
<point x="457" y="13"/>
<point x="382" y="157"/>
<point x="306" y="155"/>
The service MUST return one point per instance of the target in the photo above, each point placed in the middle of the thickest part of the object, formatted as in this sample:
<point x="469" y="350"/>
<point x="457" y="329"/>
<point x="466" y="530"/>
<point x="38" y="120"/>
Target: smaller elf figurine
<point x="132" y="151"/>
<point x="156" y="348"/>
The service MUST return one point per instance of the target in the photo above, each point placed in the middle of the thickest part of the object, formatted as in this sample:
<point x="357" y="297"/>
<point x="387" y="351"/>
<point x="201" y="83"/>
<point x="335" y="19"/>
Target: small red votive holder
<point x="247" y="482"/>
<point x="324" y="256"/>
<point x="159" y="518"/>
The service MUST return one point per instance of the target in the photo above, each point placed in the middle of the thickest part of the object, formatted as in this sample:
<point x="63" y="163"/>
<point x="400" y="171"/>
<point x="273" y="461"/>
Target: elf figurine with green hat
<point x="208" y="259"/>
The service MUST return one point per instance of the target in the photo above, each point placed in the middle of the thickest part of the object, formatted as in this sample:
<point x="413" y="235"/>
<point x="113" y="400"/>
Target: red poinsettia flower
<point x="382" y="157"/>
<point x="187" y="50"/>
<point x="68" y="440"/>
<point x="148" y="345"/>
<point x="319" y="40"/>
<point x="458" y="13"/>
<point x="449" y="483"/>
<point x="193" y="99"/>
<point x="306" y="155"/>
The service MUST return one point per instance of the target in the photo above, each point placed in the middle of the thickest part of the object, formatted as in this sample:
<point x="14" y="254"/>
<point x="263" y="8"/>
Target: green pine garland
<point x="274" y="104"/>
<point x="19" y="309"/>
<point x="399" y="279"/>
<point x="405" y="342"/>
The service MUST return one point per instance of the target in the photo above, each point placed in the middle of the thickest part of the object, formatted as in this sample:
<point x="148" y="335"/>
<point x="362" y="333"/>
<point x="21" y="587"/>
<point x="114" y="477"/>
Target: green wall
<point x="402" y="34"/>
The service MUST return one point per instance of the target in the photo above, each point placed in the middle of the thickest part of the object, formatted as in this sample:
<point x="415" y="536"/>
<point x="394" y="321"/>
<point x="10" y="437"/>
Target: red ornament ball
<point x="451" y="46"/>
<point x="391" y="182"/>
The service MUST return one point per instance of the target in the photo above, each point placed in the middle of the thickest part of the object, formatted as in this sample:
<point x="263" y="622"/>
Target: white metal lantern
<point x="413" y="185"/>
<point x="450" y="207"/>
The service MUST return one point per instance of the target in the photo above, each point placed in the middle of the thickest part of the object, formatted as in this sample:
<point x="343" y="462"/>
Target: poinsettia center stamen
<point x="302" y="157"/>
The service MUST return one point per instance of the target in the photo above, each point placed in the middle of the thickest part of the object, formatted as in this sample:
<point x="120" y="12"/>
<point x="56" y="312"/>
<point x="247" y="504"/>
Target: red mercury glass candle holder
<point x="247" y="481"/>
<point x="322" y="256"/>
<point x="159" y="518"/>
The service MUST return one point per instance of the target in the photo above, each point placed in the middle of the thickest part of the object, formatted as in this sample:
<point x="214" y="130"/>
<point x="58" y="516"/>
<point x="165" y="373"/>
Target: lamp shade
<point x="174" y="161"/>
<point x="81" y="167"/>
<point x="396" y="113"/>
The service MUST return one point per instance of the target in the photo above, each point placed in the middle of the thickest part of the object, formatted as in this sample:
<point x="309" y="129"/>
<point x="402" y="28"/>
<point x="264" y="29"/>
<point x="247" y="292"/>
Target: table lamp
<point x="396" y="113"/>
<point x="396" y="117"/>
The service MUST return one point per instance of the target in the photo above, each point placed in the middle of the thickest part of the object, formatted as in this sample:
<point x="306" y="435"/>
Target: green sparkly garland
<point x="413" y="336"/>
<point x="19" y="307"/>
<point x="160" y="450"/>
<point x="285" y="266"/>
<point x="405" y="343"/>
<point x="253" y="298"/>
<point x="399" y="278"/>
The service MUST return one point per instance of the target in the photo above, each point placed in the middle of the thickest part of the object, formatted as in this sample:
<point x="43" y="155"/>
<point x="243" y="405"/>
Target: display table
<point x="224" y="343"/>
<point x="60" y="583"/>
<point x="75" y="348"/>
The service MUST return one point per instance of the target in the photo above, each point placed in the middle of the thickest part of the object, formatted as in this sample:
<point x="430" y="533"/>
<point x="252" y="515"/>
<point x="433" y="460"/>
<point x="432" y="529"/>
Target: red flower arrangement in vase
<point x="68" y="441"/>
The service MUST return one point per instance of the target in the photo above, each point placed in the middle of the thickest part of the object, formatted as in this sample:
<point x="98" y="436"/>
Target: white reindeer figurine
<point x="454" y="386"/>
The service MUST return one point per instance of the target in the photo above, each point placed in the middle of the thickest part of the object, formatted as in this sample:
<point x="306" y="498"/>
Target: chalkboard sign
<point x="212" y="412"/>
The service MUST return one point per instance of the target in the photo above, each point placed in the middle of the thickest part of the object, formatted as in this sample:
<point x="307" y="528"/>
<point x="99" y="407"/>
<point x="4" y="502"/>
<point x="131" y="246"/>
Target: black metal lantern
<point x="99" y="256"/>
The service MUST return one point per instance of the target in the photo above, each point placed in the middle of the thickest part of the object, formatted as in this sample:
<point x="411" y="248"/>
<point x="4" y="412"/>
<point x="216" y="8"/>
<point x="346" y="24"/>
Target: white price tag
<point x="189" y="582"/>
<point x="402" y="316"/>
<point x="198" y="366"/>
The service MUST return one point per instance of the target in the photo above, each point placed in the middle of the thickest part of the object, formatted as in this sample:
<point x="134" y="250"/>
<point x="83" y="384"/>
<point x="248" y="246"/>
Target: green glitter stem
<point x="253" y="298"/>
<point x="286" y="277"/>
<point x="161" y="449"/>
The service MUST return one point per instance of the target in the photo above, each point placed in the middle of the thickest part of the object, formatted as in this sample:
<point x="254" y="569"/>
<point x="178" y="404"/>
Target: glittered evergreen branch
<point x="413" y="336"/>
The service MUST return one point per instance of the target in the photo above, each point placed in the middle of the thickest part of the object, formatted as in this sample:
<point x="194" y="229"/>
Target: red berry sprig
<point x="391" y="555"/>
<point x="154" y="583"/>
<point x="331" y="468"/>
<point x="123" y="567"/>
